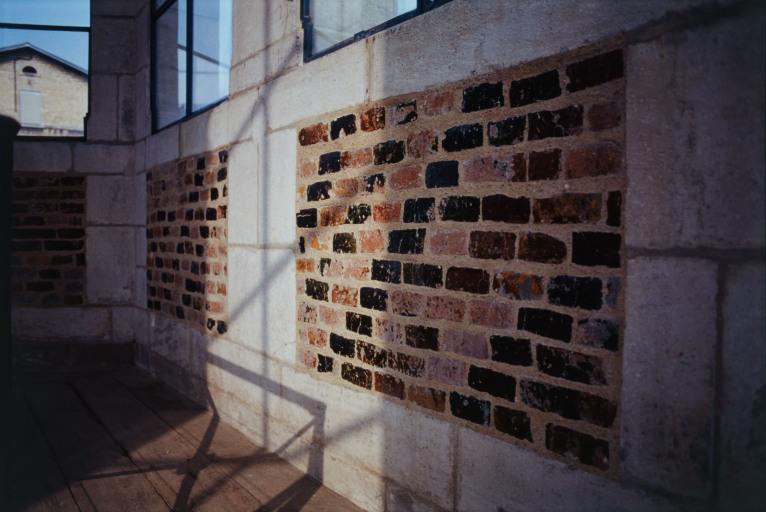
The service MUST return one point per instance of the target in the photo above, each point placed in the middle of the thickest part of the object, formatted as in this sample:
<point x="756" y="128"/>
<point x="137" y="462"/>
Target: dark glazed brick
<point x="371" y="354"/>
<point x="318" y="191"/>
<point x="409" y="365"/>
<point x="594" y="71"/>
<point x="469" y="408"/>
<point x="419" y="210"/>
<point x="596" y="249"/>
<point x="421" y="274"/>
<point x="355" y="375"/>
<point x="221" y="174"/>
<point x="419" y="336"/>
<point x="442" y="174"/>
<point x="345" y="124"/>
<point x="614" y="209"/>
<point x="460" y="208"/>
<point x="344" y="243"/>
<point x="314" y="289"/>
<point x="461" y="137"/>
<point x="357" y="214"/>
<point x="502" y="208"/>
<point x="26" y="234"/>
<point x="429" y="398"/>
<point x="49" y="273"/>
<point x="211" y="214"/>
<point x="406" y="112"/>
<point x="373" y="119"/>
<point x="514" y="423"/>
<point x="341" y="346"/>
<point x="221" y="327"/>
<point x="544" y="86"/>
<point x="599" y="333"/>
<point x="389" y="152"/>
<point x="576" y="292"/>
<point x="200" y="163"/>
<point x="569" y="403"/>
<point x="570" y="365"/>
<point x="577" y="446"/>
<point x="307" y="218"/>
<point x="541" y="248"/>
<point x="302" y="245"/>
<point x="572" y="208"/>
<point x="389" y="385"/>
<point x="329" y="162"/>
<point x="373" y="298"/>
<point x="546" y="323"/>
<point x="483" y="96"/>
<point x="406" y="241"/>
<point x="40" y="286"/>
<point x="324" y="364"/>
<point x="544" y="165"/>
<point x="311" y="135"/>
<point x="492" y="382"/>
<point x="513" y="351"/>
<point x="386" y="271"/>
<point x="361" y="324"/>
<point x="472" y="280"/>
<point x="492" y="245"/>
<point x="374" y="182"/>
<point x="557" y="123"/>
<point x="506" y="132"/>
<point x="61" y="245"/>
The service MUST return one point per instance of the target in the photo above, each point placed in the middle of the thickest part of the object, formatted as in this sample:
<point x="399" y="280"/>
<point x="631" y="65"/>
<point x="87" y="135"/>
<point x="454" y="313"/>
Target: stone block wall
<point x="187" y="240"/>
<point x="461" y="251"/>
<point x="48" y="240"/>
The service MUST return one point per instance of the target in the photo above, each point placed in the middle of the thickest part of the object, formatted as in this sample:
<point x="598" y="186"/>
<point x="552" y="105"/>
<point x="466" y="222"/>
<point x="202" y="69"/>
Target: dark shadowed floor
<point x="114" y="440"/>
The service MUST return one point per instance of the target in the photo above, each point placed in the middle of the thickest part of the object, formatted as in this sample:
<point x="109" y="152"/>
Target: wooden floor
<point x="119" y="441"/>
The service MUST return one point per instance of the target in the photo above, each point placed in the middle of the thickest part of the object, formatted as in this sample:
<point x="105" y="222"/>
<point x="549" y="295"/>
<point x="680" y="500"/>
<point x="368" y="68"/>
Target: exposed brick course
<point x="464" y="252"/>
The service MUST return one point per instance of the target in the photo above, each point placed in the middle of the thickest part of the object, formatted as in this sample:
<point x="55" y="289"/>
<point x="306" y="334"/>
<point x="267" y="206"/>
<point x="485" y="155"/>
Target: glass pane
<point x="170" y="55"/>
<point x="212" y="51"/>
<point x="44" y="80"/>
<point x="337" y="20"/>
<point x="75" y="13"/>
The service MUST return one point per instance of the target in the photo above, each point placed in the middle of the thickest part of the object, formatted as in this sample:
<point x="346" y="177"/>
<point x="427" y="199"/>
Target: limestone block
<point x="668" y="365"/>
<point x="102" y="114"/>
<point x="126" y="113"/>
<point x="42" y="156"/>
<point x="276" y="188"/>
<point x="111" y="265"/>
<point x="694" y="143"/>
<point x="243" y="187"/>
<point x="124" y="325"/>
<point x="112" y="43"/>
<point x="280" y="57"/>
<point x="103" y="158"/>
<point x="257" y="25"/>
<point x="162" y="147"/>
<point x="110" y="200"/>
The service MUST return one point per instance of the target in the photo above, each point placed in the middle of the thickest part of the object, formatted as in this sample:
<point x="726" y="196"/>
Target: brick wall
<point x="186" y="240"/>
<point x="48" y="240"/>
<point x="461" y="252"/>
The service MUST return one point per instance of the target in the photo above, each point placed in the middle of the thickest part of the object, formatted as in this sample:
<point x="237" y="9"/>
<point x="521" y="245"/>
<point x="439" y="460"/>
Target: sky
<point x="70" y="46"/>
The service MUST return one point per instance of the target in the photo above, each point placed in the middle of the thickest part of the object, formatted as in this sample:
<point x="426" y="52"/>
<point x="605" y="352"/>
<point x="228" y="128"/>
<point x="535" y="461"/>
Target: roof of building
<point x="28" y="47"/>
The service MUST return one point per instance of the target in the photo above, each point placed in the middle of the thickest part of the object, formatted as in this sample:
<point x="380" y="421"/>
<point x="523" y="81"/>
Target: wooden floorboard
<point x="119" y="440"/>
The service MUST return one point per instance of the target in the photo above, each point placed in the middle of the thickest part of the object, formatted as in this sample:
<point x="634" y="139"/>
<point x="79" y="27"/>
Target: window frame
<point x="154" y="16"/>
<point x="423" y="6"/>
<point x="61" y="28"/>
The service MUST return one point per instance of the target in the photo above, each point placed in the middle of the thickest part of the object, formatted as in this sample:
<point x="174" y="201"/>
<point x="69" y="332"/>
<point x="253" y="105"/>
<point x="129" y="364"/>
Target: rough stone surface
<point x="109" y="200"/>
<point x="111" y="261"/>
<point x="87" y="324"/>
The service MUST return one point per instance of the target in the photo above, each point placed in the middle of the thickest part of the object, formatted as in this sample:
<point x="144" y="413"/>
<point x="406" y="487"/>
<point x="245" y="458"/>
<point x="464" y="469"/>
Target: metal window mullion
<point x="57" y="28"/>
<point x="189" y="54"/>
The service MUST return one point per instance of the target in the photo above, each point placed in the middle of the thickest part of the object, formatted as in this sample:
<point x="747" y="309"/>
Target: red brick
<point x="387" y="212"/>
<point x="357" y="269"/>
<point x="445" y="308"/>
<point x="491" y="313"/>
<point x="347" y="187"/>
<point x="448" y="242"/>
<point x="604" y="116"/>
<point x="305" y="265"/>
<point x="307" y="168"/>
<point x="319" y="241"/>
<point x="407" y="303"/>
<point x="331" y="316"/>
<point x="594" y="160"/>
<point x="316" y="337"/>
<point x="428" y="398"/>
<point x="422" y="144"/>
<point x="438" y="103"/>
<point x="308" y="358"/>
<point x="333" y="269"/>
<point x="371" y="241"/>
<point x="518" y="286"/>
<point x="332" y="216"/>
<point x="373" y="119"/>
<point x="313" y="134"/>
<point x="495" y="168"/>
<point x="568" y="209"/>
<point x="389" y="331"/>
<point x="389" y="385"/>
<point x="448" y="371"/>
<point x="356" y="158"/>
<point x="408" y="177"/>
<point x="345" y="295"/>
<point x="471" y="344"/>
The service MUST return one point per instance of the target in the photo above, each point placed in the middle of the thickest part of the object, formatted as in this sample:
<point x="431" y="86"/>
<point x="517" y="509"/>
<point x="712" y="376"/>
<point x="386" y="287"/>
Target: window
<point x="44" y="48"/>
<point x="332" y="24"/>
<point x="191" y="57"/>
